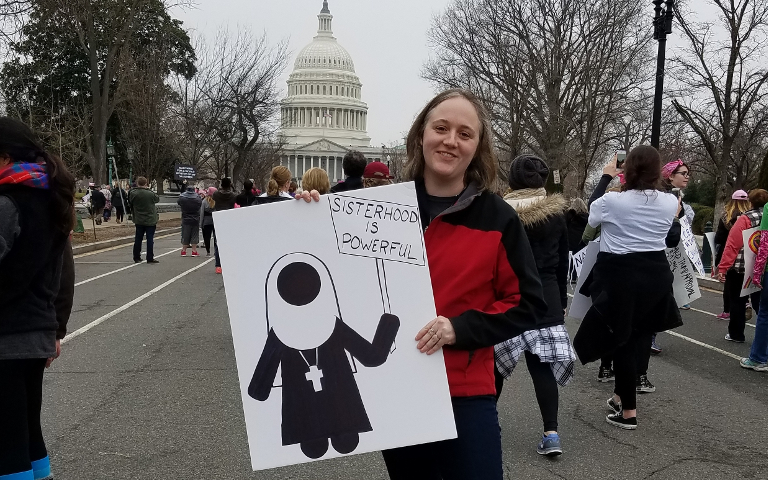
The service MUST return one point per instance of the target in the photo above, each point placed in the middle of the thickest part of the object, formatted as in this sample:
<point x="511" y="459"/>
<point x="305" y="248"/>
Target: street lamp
<point x="110" y="157"/>
<point x="129" y="154"/>
<point x="662" y="26"/>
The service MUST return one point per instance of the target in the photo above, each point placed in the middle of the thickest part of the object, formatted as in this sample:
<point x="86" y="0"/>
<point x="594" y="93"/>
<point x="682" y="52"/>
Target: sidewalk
<point x="127" y="224"/>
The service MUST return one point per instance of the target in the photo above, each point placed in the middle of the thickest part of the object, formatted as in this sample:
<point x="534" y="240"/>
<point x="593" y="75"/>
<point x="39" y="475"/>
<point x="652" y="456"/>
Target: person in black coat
<point x="98" y="202"/>
<point x="576" y="221"/>
<point x="246" y="197"/>
<point x="354" y="165"/>
<point x="548" y="352"/>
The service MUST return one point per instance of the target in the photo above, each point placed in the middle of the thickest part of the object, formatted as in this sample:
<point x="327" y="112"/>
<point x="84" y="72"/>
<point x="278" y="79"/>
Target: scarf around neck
<point x="28" y="174"/>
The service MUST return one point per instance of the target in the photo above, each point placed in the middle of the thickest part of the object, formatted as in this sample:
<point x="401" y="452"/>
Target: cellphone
<point x="621" y="155"/>
<point x="676" y="192"/>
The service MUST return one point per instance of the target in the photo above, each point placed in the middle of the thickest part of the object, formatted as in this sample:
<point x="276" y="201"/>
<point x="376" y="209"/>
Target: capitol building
<point x="323" y="116"/>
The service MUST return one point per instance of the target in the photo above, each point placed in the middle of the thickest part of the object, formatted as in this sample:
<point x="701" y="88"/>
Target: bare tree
<point x="722" y="89"/>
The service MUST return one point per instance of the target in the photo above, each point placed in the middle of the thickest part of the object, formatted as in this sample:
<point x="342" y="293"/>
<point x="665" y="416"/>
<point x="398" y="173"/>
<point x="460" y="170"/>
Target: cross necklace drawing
<point x="314" y="374"/>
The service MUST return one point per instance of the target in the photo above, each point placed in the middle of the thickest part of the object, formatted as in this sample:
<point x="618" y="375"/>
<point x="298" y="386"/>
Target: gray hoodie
<point x="190" y="207"/>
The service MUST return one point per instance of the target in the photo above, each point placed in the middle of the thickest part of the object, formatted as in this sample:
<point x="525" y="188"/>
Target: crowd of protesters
<point x="485" y="324"/>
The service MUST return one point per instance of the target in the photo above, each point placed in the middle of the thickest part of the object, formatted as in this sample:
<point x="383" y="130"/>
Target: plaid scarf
<point x="29" y="174"/>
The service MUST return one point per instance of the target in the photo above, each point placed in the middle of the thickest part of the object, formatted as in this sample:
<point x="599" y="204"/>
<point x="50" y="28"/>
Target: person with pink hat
<point x="738" y="204"/>
<point x="206" y="218"/>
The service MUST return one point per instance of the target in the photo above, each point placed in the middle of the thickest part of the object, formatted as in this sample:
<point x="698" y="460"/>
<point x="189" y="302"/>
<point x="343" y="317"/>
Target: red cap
<point x="376" y="169"/>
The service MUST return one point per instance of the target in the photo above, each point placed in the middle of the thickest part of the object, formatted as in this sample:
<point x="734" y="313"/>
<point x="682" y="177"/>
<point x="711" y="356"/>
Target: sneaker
<point x="153" y="261"/>
<point x="137" y="260"/>
<point x="724" y="316"/>
<point x="605" y="375"/>
<point x="686" y="307"/>
<point x="218" y="270"/>
<point x="207" y="254"/>
<point x="613" y="406"/>
<point x="644" y="385"/>
<point x="618" y="420"/>
<point x="183" y="254"/>
<point x="195" y="254"/>
<point x="550" y="445"/>
<point x="728" y="337"/>
<point x="753" y="365"/>
<point x="655" y="348"/>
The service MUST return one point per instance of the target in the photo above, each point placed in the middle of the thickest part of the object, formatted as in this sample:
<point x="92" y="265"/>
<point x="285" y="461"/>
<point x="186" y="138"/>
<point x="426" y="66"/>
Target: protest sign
<point x="184" y="172"/>
<point x="577" y="260"/>
<point x="685" y="286"/>
<point x="710" y="236"/>
<point x="688" y="241"/>
<point x="751" y="244"/>
<point x="581" y="303"/>
<point x="314" y="317"/>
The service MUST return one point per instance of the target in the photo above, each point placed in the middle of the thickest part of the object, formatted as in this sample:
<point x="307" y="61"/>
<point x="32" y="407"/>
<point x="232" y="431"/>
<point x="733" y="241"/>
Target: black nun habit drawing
<point x="308" y="338"/>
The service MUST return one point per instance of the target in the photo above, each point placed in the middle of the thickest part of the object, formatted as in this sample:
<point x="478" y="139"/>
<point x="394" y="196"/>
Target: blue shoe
<point x="550" y="445"/>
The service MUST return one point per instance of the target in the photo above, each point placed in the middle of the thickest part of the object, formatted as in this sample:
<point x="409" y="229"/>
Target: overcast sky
<point x="386" y="38"/>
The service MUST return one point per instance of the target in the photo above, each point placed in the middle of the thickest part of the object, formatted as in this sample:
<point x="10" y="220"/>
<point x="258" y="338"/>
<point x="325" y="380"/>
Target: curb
<point x="709" y="283"/>
<point x="115" y="242"/>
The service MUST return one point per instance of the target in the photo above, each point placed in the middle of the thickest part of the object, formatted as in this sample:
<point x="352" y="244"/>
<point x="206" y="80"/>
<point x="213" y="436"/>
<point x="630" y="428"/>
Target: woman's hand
<point x="308" y="196"/>
<point x="434" y="335"/>
<point x="679" y="206"/>
<point x="611" y="169"/>
<point x="721" y="277"/>
<point x="58" y="352"/>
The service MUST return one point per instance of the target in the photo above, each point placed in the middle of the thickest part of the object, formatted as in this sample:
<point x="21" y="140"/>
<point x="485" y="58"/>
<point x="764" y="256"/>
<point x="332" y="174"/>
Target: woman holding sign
<point x="731" y="267"/>
<point x="631" y="283"/>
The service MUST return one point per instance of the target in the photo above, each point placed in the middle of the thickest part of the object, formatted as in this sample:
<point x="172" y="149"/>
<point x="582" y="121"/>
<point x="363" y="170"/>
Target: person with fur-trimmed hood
<point x="548" y="351"/>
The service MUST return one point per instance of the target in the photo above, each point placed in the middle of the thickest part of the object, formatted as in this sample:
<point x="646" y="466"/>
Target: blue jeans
<point x="759" y="351"/>
<point x="474" y="455"/>
<point x="150" y="232"/>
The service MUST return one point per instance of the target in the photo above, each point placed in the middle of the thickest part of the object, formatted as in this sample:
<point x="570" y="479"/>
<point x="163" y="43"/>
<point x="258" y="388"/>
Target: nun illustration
<point x="308" y="339"/>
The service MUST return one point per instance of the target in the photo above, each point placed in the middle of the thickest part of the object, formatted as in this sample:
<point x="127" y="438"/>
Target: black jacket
<point x="350" y="183"/>
<point x="98" y="200"/>
<point x="246" y="198"/>
<point x="545" y="227"/>
<point x="224" y="200"/>
<point x="576" y="223"/>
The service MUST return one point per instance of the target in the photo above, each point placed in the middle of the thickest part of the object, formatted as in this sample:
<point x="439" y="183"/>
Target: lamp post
<point x="129" y="154"/>
<point x="110" y="157"/>
<point x="662" y="26"/>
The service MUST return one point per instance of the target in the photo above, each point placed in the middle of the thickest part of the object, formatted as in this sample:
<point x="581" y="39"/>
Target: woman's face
<point x="680" y="177"/>
<point x="4" y="160"/>
<point x="451" y="137"/>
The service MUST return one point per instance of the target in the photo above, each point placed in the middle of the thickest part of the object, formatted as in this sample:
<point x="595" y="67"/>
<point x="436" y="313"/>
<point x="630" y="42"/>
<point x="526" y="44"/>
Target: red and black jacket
<point x="484" y="280"/>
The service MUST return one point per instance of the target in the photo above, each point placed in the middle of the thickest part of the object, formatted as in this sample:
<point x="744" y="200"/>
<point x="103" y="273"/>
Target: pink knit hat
<point x="740" y="195"/>
<point x="211" y="191"/>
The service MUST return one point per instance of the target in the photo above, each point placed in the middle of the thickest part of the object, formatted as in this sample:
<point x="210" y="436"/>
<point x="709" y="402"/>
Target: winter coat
<point x="143" y="202"/>
<point x="544" y="222"/>
<point x="190" y="208"/>
<point x="98" y="200"/>
<point x="576" y="223"/>
<point x="206" y="214"/>
<point x="484" y="279"/>
<point x="246" y="198"/>
<point x="119" y="196"/>
<point x="224" y="200"/>
<point x="349" y="183"/>
<point x="733" y="253"/>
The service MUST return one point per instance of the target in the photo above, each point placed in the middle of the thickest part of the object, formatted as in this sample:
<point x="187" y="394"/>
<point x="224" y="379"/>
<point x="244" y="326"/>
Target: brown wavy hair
<point x="18" y="142"/>
<point x="483" y="168"/>
<point x="316" y="179"/>
<point x="280" y="175"/>
<point x="642" y="169"/>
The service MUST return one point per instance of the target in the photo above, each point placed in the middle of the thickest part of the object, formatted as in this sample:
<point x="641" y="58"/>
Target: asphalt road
<point x="150" y="392"/>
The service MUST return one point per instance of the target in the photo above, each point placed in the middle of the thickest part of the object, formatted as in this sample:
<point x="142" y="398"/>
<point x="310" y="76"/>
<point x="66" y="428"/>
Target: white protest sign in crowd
<point x="581" y="303"/>
<point x="751" y="238"/>
<point x="685" y="285"/>
<point x="314" y="326"/>
<point x="688" y="241"/>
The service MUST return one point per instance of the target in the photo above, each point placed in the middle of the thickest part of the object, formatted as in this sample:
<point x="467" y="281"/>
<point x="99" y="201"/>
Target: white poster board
<point x="581" y="303"/>
<point x="311" y="289"/>
<point x="685" y="286"/>
<point x="751" y="244"/>
<point x="577" y="260"/>
<point x="688" y="241"/>
<point x="710" y="236"/>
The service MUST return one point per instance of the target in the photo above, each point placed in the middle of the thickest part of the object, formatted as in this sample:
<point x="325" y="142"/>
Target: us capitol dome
<point x="323" y="116"/>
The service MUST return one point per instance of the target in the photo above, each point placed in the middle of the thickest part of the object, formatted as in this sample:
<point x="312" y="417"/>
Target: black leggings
<point x="625" y="368"/>
<point x="207" y="231"/>
<point x="545" y="386"/>
<point x="21" y="397"/>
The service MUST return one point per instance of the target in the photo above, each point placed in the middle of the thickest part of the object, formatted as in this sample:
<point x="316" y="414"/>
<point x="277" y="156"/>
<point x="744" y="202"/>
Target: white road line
<point x="133" y="302"/>
<point x="88" y="254"/>
<point x="702" y="344"/>
<point x="121" y="269"/>
<point x="714" y="315"/>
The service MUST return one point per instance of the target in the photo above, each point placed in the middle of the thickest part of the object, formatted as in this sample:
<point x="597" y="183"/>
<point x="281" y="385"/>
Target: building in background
<point x="323" y="117"/>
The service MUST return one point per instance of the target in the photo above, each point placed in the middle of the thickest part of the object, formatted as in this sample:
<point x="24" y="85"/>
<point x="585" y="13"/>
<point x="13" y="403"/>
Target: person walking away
<point x="108" y="206"/>
<point x="736" y="206"/>
<point x="376" y="174"/>
<point x="190" y="203"/>
<point x="480" y="299"/>
<point x="631" y="282"/>
<point x="119" y="200"/>
<point x="732" y="265"/>
<point x="246" y="197"/>
<point x="98" y="202"/>
<point x="758" y="354"/>
<point x="353" y="164"/>
<point x="145" y="218"/>
<point x="548" y="352"/>
<point x="576" y="221"/>
<point x="316" y="179"/>
<point x="277" y="188"/>
<point x="37" y="282"/>
<point x="206" y="218"/>
<point x="224" y="199"/>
